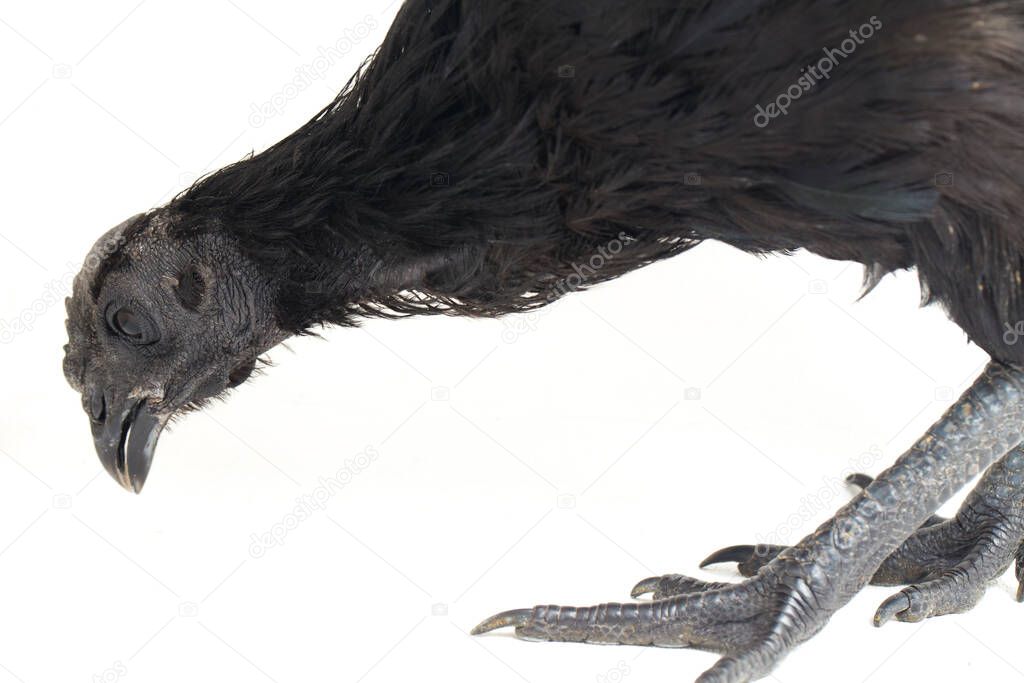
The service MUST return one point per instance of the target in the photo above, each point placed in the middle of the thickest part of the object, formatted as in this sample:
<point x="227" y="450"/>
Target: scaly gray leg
<point x="750" y="558"/>
<point x="949" y="562"/>
<point x="754" y="624"/>
<point x="956" y="560"/>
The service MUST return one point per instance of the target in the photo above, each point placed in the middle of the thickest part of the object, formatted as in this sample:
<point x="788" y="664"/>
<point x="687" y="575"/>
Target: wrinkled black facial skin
<point x="158" y="324"/>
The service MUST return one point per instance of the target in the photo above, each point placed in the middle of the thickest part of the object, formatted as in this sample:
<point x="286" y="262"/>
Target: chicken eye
<point x="130" y="325"/>
<point x="126" y="323"/>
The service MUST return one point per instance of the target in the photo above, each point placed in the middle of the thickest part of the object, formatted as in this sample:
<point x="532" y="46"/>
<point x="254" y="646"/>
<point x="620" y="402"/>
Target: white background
<point x="558" y="457"/>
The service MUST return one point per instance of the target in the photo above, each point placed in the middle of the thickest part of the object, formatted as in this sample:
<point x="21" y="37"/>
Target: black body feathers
<point x="491" y="148"/>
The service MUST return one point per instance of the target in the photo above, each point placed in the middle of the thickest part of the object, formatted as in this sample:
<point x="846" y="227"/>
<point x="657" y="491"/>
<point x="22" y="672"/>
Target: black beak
<point x="125" y="433"/>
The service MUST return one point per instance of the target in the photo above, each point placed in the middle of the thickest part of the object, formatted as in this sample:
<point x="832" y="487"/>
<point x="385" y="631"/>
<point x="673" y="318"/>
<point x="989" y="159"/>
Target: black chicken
<point x="491" y="151"/>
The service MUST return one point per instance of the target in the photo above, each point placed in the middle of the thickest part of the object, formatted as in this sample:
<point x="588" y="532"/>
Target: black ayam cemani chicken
<point x="487" y="152"/>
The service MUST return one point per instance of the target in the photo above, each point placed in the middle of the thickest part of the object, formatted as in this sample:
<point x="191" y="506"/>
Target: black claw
<point x="648" y="585"/>
<point x="893" y="606"/>
<point x="515" y="617"/>
<point x="859" y="480"/>
<point x="734" y="553"/>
